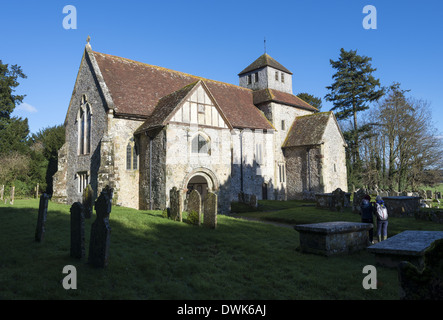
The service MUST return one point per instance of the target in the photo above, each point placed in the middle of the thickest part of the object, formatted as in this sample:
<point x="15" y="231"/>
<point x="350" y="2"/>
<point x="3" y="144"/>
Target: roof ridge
<point x="263" y="61"/>
<point x="174" y="71"/>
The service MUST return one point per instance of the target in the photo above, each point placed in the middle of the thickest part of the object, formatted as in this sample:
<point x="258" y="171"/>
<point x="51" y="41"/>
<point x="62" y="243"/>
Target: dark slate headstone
<point x="101" y="231"/>
<point x="77" y="231"/>
<point x="41" y="219"/>
<point x="88" y="201"/>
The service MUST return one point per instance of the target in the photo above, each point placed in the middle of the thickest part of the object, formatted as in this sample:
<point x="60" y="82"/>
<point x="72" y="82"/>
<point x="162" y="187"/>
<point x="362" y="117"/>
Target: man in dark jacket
<point x="367" y="212"/>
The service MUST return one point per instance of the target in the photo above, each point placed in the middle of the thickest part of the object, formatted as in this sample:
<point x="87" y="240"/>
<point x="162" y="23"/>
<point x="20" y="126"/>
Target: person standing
<point x="382" y="218"/>
<point x="367" y="213"/>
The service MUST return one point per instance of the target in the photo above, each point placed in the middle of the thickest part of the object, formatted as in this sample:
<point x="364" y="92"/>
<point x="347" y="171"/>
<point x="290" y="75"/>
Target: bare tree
<point x="402" y="149"/>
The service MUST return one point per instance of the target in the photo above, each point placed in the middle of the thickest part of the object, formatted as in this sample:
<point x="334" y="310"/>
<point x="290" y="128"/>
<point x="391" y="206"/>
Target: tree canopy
<point x="312" y="100"/>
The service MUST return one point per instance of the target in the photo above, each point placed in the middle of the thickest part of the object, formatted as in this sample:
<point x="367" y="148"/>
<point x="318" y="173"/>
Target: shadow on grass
<point x="152" y="257"/>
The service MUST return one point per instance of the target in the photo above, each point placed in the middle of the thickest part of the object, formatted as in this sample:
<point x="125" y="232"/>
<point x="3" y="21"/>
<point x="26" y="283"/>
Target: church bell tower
<point x="266" y="73"/>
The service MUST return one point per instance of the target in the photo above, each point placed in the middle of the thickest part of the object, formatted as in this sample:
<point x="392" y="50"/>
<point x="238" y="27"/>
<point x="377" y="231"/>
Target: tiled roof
<point x="263" y="61"/>
<point x="270" y="95"/>
<point x="164" y="108"/>
<point x="136" y="88"/>
<point x="307" y="130"/>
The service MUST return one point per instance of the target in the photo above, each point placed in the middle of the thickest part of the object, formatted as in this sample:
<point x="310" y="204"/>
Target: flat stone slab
<point x="333" y="227"/>
<point x="329" y="238"/>
<point x="406" y="246"/>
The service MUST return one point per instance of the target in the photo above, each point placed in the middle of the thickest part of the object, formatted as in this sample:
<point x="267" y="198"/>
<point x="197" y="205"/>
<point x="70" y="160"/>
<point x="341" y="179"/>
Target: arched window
<point x="131" y="155"/>
<point x="84" y="127"/>
<point x="200" y="145"/>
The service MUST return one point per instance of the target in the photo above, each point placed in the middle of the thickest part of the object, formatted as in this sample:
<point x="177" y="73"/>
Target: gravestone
<point x="101" y="230"/>
<point x="253" y="201"/>
<point x="194" y="204"/>
<point x="2" y="192"/>
<point x="77" y="231"/>
<point x="175" y="204"/>
<point x="210" y="211"/>
<point x="12" y="195"/>
<point x="426" y="284"/>
<point x="88" y="201"/>
<point x="422" y="193"/>
<point x="428" y="194"/>
<point x="338" y="199"/>
<point x="41" y="218"/>
<point x="36" y="190"/>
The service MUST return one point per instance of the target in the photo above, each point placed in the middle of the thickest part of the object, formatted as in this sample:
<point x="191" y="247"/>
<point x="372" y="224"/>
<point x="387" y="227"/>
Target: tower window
<point x="283" y="125"/>
<point x="249" y="79"/>
<point x="276" y="75"/>
<point x="256" y="77"/>
<point x="282" y="77"/>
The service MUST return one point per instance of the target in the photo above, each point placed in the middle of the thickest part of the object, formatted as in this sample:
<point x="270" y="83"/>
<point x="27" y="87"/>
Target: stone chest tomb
<point x="330" y="238"/>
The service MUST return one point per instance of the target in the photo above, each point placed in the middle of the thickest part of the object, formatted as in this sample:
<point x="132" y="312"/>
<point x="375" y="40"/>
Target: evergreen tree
<point x="8" y="81"/>
<point x="13" y="131"/>
<point x="353" y="89"/>
<point x="312" y="100"/>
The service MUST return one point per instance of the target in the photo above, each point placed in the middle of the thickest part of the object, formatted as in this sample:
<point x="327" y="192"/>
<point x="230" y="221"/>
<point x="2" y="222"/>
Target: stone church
<point x="144" y="129"/>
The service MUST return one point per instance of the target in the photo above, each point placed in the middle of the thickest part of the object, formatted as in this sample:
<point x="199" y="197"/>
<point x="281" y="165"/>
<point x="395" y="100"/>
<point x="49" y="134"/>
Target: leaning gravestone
<point x="41" y="219"/>
<point x="194" y="204"/>
<point x="77" y="231"/>
<point x="175" y="204"/>
<point x="210" y="211"/>
<point x="101" y="230"/>
<point x="2" y="192"/>
<point x="88" y="201"/>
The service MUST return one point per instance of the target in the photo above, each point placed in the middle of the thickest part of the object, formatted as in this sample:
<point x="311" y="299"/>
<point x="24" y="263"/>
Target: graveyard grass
<point x="152" y="257"/>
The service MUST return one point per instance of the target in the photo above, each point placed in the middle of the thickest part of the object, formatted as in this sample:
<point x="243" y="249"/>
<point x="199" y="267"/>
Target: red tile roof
<point x="136" y="88"/>
<point x="270" y="95"/>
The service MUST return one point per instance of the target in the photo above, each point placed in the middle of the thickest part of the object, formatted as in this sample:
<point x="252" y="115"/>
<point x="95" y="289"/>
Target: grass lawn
<point x="152" y="257"/>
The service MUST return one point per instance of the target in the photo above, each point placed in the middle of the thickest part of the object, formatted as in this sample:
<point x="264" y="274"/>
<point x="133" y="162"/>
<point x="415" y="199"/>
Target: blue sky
<point x="218" y="39"/>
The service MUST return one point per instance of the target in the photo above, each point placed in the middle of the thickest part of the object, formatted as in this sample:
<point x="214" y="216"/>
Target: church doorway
<point x="199" y="183"/>
<point x="203" y="180"/>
